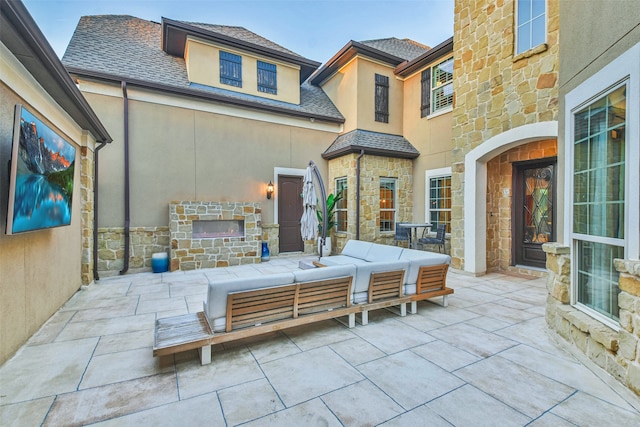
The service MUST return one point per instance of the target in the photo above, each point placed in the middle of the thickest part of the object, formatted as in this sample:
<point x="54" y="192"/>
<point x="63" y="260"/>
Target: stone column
<point x="629" y="334"/>
<point x="86" y="201"/>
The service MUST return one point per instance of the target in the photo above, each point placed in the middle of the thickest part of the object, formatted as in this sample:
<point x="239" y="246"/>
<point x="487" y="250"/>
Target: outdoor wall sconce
<point x="269" y="189"/>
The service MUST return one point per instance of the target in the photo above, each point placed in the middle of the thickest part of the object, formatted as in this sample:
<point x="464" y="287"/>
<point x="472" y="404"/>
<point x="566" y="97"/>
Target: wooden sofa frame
<point x="260" y="311"/>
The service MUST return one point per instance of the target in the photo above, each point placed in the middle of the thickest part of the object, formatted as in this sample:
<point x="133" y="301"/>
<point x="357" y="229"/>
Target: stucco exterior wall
<point x="182" y="150"/>
<point x="582" y="53"/>
<point x="430" y="135"/>
<point x="203" y="66"/>
<point x="367" y="70"/>
<point x="342" y="89"/>
<point x="495" y="91"/>
<point x="39" y="270"/>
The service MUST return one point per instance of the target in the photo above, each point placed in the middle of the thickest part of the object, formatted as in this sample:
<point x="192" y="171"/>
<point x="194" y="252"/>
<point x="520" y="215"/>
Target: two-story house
<point x="211" y="113"/>
<point x="199" y="113"/>
<point x="395" y="96"/>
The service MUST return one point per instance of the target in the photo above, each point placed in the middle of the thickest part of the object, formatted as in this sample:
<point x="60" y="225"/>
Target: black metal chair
<point x="438" y="240"/>
<point x="403" y="234"/>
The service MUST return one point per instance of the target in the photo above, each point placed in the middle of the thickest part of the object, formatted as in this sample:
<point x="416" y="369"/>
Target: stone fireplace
<point x="214" y="234"/>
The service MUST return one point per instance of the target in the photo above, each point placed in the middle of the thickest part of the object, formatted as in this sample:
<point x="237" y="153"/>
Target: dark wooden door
<point x="290" y="210"/>
<point x="533" y="211"/>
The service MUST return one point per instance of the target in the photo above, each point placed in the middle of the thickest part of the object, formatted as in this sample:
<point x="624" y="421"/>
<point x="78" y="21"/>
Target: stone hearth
<point x="188" y="253"/>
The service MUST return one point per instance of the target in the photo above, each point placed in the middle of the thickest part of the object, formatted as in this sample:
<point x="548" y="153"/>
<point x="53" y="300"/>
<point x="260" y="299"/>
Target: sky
<point x="315" y="29"/>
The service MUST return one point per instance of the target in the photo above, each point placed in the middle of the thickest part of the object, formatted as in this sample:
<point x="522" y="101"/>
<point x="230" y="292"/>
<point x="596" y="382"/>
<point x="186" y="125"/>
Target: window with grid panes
<point x="531" y="29"/>
<point x="382" y="99"/>
<point x="442" y="85"/>
<point x="267" y="78"/>
<point x="388" y="204"/>
<point x="440" y="202"/>
<point x="230" y="69"/>
<point x="599" y="200"/>
<point x="341" y="206"/>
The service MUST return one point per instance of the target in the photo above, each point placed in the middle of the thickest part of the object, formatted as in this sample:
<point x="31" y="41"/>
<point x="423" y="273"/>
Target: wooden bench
<point x="431" y="283"/>
<point x="257" y="312"/>
<point x="260" y="311"/>
<point x="386" y="290"/>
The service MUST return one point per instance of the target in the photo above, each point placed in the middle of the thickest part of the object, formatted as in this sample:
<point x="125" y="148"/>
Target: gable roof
<point x="406" y="49"/>
<point x="122" y="47"/>
<point x="174" y="36"/>
<point x="376" y="143"/>
<point x="23" y="38"/>
<point x="393" y="51"/>
<point x="410" y="67"/>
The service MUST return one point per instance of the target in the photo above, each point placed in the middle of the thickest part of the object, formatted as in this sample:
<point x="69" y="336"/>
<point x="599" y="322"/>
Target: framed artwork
<point x="41" y="176"/>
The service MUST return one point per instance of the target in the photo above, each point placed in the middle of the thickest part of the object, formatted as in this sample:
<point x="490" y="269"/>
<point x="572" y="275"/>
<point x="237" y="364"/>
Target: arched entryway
<point x="476" y="180"/>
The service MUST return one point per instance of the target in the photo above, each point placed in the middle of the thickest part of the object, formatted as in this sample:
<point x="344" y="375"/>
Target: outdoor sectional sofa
<point x="365" y="276"/>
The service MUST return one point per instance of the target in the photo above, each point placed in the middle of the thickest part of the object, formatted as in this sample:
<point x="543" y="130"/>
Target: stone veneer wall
<point x="143" y="243"/>
<point x="189" y="254"/>
<point x="499" y="178"/>
<point x="271" y="235"/>
<point x="617" y="352"/>
<point x="371" y="169"/>
<point x="495" y="91"/>
<point x="87" y="210"/>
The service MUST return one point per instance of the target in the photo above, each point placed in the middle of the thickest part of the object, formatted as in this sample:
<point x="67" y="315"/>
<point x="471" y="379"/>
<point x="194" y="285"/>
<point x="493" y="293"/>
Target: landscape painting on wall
<point x="42" y="167"/>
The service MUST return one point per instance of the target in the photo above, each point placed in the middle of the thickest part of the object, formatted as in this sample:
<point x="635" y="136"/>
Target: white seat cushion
<point x="383" y="253"/>
<point x="356" y="249"/>
<point x="323" y="273"/>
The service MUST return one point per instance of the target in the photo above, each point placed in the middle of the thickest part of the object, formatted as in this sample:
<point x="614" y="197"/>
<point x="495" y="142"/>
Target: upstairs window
<point x="382" y="99"/>
<point x="267" y="78"/>
<point x="436" y="88"/>
<point x="230" y="69"/>
<point x="388" y="204"/>
<point x="341" y="206"/>
<point x="531" y="28"/>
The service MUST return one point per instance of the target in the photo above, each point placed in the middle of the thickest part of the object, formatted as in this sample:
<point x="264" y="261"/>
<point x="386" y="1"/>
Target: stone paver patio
<point x="487" y="359"/>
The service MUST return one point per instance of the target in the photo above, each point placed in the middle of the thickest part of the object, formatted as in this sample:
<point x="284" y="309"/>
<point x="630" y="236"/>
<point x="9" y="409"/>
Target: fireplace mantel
<point x="189" y="253"/>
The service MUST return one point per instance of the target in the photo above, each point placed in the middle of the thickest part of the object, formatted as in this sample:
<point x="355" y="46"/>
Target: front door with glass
<point x="533" y="211"/>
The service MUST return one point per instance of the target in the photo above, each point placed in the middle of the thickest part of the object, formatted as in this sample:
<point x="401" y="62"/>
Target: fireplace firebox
<point x="216" y="229"/>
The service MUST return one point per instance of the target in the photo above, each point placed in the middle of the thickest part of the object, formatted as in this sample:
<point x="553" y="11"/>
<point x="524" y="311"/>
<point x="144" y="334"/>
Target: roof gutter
<point x="372" y="151"/>
<point x="203" y="95"/>
<point x="25" y="40"/>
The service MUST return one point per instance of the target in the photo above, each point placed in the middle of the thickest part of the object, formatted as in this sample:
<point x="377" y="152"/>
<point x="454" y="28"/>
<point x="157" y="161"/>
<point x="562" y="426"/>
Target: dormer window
<point x="230" y="69"/>
<point x="267" y="78"/>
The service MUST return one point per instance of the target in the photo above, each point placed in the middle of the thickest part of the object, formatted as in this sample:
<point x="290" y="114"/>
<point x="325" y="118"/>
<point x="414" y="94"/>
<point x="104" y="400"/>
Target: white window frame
<point x="623" y="70"/>
<point x="337" y="209"/>
<point x="394" y="210"/>
<point x="428" y="176"/>
<point x="434" y="87"/>
<point x="517" y="28"/>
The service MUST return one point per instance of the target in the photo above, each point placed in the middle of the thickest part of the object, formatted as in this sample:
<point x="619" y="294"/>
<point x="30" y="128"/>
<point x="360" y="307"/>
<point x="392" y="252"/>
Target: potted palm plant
<point x="331" y="204"/>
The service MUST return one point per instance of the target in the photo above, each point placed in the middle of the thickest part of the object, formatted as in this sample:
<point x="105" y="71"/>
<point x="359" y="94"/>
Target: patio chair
<point x="403" y="234"/>
<point x="438" y="240"/>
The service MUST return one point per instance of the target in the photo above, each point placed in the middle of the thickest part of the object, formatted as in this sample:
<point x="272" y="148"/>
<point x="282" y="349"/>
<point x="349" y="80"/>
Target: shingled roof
<point x="403" y="48"/>
<point x="392" y="51"/>
<point x="382" y="144"/>
<point x="242" y="33"/>
<point x="122" y="47"/>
